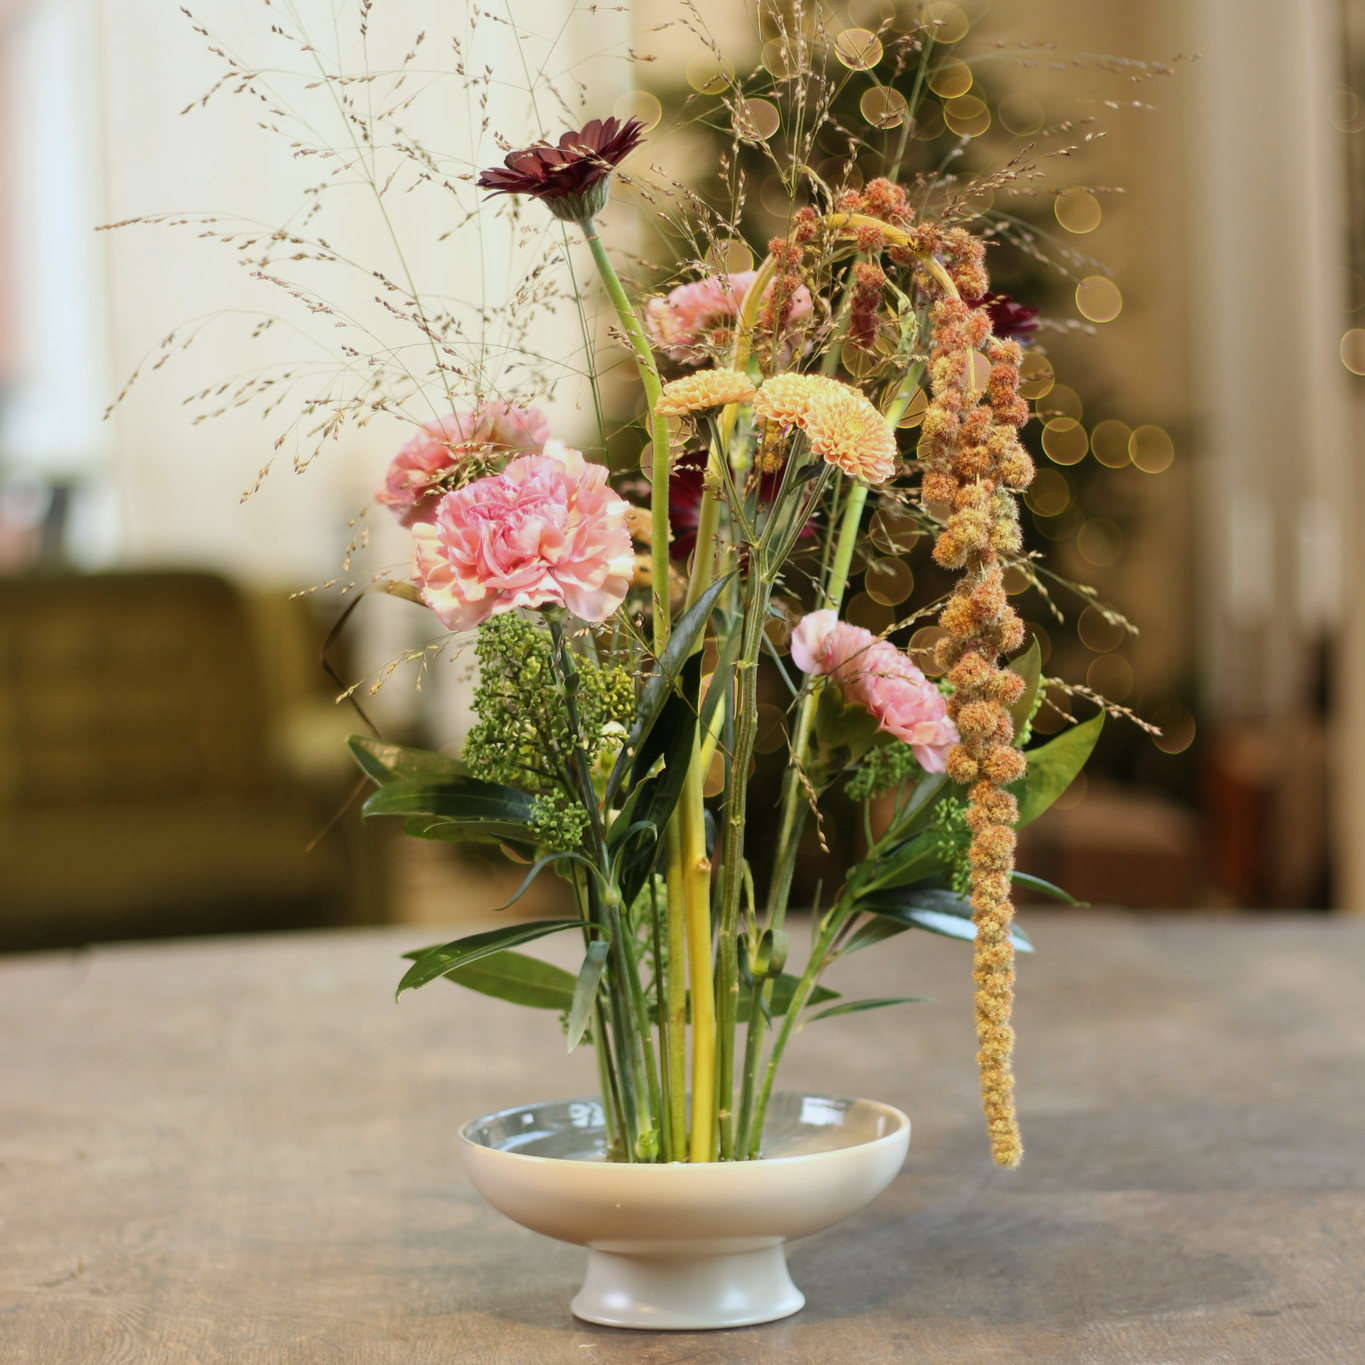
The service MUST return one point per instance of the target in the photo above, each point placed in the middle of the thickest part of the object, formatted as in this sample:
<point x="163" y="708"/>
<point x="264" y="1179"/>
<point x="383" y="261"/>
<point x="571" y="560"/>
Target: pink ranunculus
<point x="878" y="677"/>
<point x="546" y="531"/>
<point x="693" y="315"/>
<point x="411" y="486"/>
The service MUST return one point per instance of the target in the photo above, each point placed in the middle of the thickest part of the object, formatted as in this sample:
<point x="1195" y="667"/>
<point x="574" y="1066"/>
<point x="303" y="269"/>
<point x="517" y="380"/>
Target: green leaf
<point x="471" y="808"/>
<point x="519" y="979"/>
<point x="462" y="951"/>
<point x="1047" y="888"/>
<point x="940" y="912"/>
<point x="1053" y="766"/>
<point x="913" y="861"/>
<point x="661" y="682"/>
<point x="918" y="811"/>
<point x="877" y="930"/>
<point x="383" y="762"/>
<point x="1029" y="666"/>
<point x="784" y="990"/>
<point x="857" y="1006"/>
<point x="585" y="989"/>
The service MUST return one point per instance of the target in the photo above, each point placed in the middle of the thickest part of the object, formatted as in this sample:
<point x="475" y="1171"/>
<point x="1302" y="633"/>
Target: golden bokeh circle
<point x="714" y="782"/>
<point x="1098" y="633"/>
<point x="1098" y="299"/>
<point x="1021" y="115"/>
<point x="1109" y="441"/>
<point x="893" y="530"/>
<point x="1033" y="631"/>
<point x="1151" y="449"/>
<point x="729" y="256"/>
<point x="883" y="107"/>
<point x="772" y="728"/>
<point x="914" y="412"/>
<point x="756" y="120"/>
<point x="928" y="122"/>
<point x="1100" y="542"/>
<point x="1049" y="494"/>
<point x="839" y="173"/>
<point x="859" y="49"/>
<point x="951" y="79"/>
<point x="872" y="13"/>
<point x="1177" y="728"/>
<point x="1111" y="676"/>
<point x="708" y="76"/>
<point x="980" y="372"/>
<point x="1077" y="211"/>
<point x="1353" y="350"/>
<point x="865" y="611"/>
<point x="1036" y="378"/>
<point x="640" y="105"/>
<point x="947" y="23"/>
<point x="967" y="116"/>
<point x="922" y="647"/>
<point x="782" y="58"/>
<point x="1065" y="441"/>
<point x="888" y="581"/>
<point x="1062" y="401"/>
<point x="1346" y="111"/>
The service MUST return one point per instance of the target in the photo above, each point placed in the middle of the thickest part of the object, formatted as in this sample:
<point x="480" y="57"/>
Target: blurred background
<point x="171" y="751"/>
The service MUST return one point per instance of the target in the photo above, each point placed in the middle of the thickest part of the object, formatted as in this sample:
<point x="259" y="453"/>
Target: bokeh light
<point x="1035" y="376"/>
<point x="1049" y="494"/>
<point x="1109" y="441"/>
<point x="919" y="405"/>
<point x="929" y="122"/>
<point x="1016" y="581"/>
<point x="1033" y="631"/>
<point x="1098" y="633"/>
<point x="756" y="120"/>
<point x="1098" y="299"/>
<point x="1062" y="401"/>
<point x="1353" y="350"/>
<point x="859" y="49"/>
<point x="893" y="531"/>
<point x="867" y="612"/>
<point x="1065" y="441"/>
<point x="1111" y="676"/>
<point x="883" y="107"/>
<point x="950" y="79"/>
<point x="708" y="76"/>
<point x="947" y="23"/>
<point x="1151" y="449"/>
<point x="1100" y="542"/>
<point x="772" y="729"/>
<point x="782" y="58"/>
<point x="1077" y="211"/>
<point x="888" y="581"/>
<point x="730" y="255"/>
<point x="1346" y="111"/>
<point x="641" y="105"/>
<point x="967" y="116"/>
<point x="1021" y="114"/>
<point x="922" y="647"/>
<point x="1177" y="727"/>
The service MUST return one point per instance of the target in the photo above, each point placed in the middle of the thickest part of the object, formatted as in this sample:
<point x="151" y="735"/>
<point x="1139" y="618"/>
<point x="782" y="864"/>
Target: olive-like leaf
<point x="471" y="808"/>
<point x="913" y="861"/>
<point x="460" y="952"/>
<point x="384" y="762"/>
<point x="1029" y="666"/>
<point x="857" y="1006"/>
<point x="938" y="911"/>
<point x="1053" y="766"/>
<point x="585" y="990"/>
<point x="518" y="979"/>
<point x="1046" y="888"/>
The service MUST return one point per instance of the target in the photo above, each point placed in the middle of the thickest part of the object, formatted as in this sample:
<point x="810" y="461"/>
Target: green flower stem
<point x="659" y="462"/>
<point x="674" y="1004"/>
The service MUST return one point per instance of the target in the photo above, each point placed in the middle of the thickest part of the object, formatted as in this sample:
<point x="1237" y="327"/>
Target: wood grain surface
<point x="241" y="1150"/>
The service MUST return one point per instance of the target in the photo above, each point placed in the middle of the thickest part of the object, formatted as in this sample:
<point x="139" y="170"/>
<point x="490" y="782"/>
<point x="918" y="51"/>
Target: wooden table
<point x="242" y="1150"/>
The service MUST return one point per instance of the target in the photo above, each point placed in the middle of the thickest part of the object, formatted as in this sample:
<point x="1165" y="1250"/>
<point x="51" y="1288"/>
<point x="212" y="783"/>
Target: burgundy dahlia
<point x="573" y="178"/>
<point x="1009" y="317"/>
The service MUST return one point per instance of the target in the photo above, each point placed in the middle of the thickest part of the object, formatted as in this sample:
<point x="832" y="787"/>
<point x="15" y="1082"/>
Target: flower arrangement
<point x="856" y="389"/>
<point x="596" y="726"/>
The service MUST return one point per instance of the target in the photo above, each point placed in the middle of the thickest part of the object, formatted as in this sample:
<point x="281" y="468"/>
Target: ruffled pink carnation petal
<point x="410" y="487"/>
<point x="878" y="677"/>
<point x="685" y="321"/>
<point x="547" y="531"/>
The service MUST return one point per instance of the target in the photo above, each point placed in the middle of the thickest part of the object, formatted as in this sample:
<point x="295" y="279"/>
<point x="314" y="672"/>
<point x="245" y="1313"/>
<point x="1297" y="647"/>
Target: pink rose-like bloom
<point x="878" y="677"/>
<point x="547" y="531"/>
<point x="690" y="316"/>
<point x="410" y="486"/>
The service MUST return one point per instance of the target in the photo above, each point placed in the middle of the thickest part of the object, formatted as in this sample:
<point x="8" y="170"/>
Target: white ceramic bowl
<point x="686" y="1246"/>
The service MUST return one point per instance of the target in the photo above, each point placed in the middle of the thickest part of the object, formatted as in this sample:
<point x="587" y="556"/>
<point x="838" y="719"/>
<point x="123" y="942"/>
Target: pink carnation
<point x="411" y="487"/>
<point x="879" y="678"/>
<point x="546" y="531"/>
<point x="695" y="316"/>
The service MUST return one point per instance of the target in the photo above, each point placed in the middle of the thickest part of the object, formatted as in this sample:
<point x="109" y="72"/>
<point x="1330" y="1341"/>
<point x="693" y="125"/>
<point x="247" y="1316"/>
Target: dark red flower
<point x="685" y="485"/>
<point x="573" y="178"/>
<point x="1009" y="318"/>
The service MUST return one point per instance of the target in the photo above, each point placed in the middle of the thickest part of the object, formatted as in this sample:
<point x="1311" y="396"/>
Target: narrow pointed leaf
<point x="913" y="861"/>
<point x="1047" y="888"/>
<point x="858" y="1006"/>
<point x="384" y="762"/>
<point x="462" y="951"/>
<point x="1053" y="766"/>
<point x="940" y="912"/>
<point x="477" y="810"/>
<point x="585" y="990"/>
<point x="519" y="979"/>
<point x="1029" y="666"/>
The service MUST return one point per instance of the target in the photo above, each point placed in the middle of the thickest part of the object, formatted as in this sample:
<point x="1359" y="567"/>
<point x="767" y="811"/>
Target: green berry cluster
<point x="526" y="735"/>
<point x="954" y="842"/>
<point x="883" y="769"/>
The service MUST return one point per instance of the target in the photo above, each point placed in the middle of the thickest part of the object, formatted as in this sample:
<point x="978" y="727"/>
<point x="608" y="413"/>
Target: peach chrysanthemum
<point x="704" y="390"/>
<point x="843" y="427"/>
